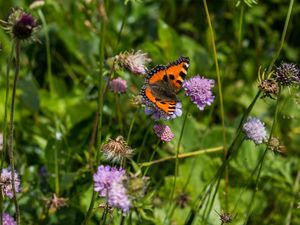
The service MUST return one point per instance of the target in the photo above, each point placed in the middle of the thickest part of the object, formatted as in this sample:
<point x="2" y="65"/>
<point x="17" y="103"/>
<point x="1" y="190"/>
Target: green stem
<point x="11" y="133"/>
<point x="177" y="163"/>
<point x="48" y="54"/>
<point x="286" y="24"/>
<point x="56" y="170"/>
<point x="100" y="111"/>
<point x="240" y="31"/>
<point x="119" y="113"/>
<point x="4" y="134"/>
<point x="152" y="156"/>
<point x="131" y="124"/>
<point x="221" y="99"/>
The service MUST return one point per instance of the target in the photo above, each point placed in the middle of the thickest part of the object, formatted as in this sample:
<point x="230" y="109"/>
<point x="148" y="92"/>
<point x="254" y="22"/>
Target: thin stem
<point x="4" y="137"/>
<point x="119" y="113"/>
<point x="100" y="104"/>
<point x="182" y="156"/>
<point x="11" y="134"/>
<point x="56" y="170"/>
<point x="152" y="156"/>
<point x="177" y="162"/>
<point x="48" y="54"/>
<point x="286" y="24"/>
<point x="295" y="189"/>
<point x="240" y="31"/>
<point x="221" y="99"/>
<point x="131" y="125"/>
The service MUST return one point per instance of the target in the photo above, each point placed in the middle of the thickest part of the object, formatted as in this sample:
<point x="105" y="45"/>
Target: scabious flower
<point x="8" y="220"/>
<point x="199" y="90"/>
<point x="157" y="114"/>
<point x="225" y="217"/>
<point x="287" y="74"/>
<point x="108" y="182"/>
<point x="163" y="132"/>
<point x="133" y="61"/>
<point x="118" y="85"/>
<point x="21" y="25"/>
<point x="116" y="150"/>
<point x="104" y="177"/>
<point x="6" y="182"/>
<point x="269" y="87"/>
<point x="255" y="130"/>
<point x="117" y="196"/>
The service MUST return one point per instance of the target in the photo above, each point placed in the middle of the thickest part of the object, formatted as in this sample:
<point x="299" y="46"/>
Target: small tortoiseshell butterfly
<point x="162" y="83"/>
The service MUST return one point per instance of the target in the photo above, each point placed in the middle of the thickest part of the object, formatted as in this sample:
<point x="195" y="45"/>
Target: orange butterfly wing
<point x="174" y="73"/>
<point x="177" y="71"/>
<point x="166" y="106"/>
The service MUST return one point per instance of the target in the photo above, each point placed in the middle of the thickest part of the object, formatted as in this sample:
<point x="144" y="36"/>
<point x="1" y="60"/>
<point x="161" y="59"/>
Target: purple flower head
<point x="118" y="85"/>
<point x="199" y="90"/>
<point x="287" y="74"/>
<point x="6" y="183"/>
<point x="104" y="177"/>
<point x="157" y="114"/>
<point x="117" y="196"/>
<point x="8" y="220"/>
<point x="255" y="130"/>
<point x="163" y="132"/>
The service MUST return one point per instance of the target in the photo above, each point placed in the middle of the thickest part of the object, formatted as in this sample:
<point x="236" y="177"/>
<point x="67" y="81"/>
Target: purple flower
<point x="21" y="25"/>
<point x="6" y="182"/>
<point x="8" y="220"/>
<point x="157" y="114"/>
<point x="117" y="196"/>
<point x="118" y="85"/>
<point x="163" y="132"/>
<point x="255" y="130"/>
<point x="199" y="90"/>
<point x="104" y="177"/>
<point x="287" y="74"/>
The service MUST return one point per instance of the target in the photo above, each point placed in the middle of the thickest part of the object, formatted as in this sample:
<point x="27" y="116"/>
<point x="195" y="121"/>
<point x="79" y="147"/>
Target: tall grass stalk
<point x="100" y="106"/>
<point x="222" y="114"/>
<point x="11" y="129"/>
<point x="4" y="129"/>
<point x="152" y="156"/>
<point x="170" y="211"/>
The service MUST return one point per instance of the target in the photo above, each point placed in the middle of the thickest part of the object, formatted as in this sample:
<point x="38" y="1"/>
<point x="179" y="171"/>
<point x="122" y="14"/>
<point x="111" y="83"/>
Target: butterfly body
<point x="163" y="83"/>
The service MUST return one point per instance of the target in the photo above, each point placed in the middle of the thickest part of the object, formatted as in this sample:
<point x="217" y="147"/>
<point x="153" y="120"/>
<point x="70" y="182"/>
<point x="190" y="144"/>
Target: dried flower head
<point x="255" y="130"/>
<point x="182" y="200"/>
<point x="116" y="150"/>
<point x="164" y="132"/>
<point x="269" y="87"/>
<point x="118" y="85"/>
<point x="157" y="114"/>
<point x="8" y="220"/>
<point x="6" y="182"/>
<point x="21" y="25"/>
<point x="199" y="90"/>
<point x="104" y="177"/>
<point x="287" y="74"/>
<point x="225" y="217"/>
<point x="133" y="61"/>
<point x="275" y="145"/>
<point x="54" y="203"/>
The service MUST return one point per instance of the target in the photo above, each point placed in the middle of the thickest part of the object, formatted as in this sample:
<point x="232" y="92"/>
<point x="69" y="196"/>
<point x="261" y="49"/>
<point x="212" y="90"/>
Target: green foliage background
<point x="246" y="39"/>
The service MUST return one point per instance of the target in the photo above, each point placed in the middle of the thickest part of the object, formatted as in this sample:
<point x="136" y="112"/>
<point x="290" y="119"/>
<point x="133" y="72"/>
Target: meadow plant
<point x="8" y="219"/>
<point x="163" y="132"/>
<point x="6" y="182"/>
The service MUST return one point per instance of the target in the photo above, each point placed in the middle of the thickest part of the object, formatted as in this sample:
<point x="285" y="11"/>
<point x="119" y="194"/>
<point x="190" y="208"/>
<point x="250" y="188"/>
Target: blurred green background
<point x="246" y="39"/>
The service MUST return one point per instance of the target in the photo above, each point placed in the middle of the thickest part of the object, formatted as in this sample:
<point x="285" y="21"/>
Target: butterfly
<point x="162" y="83"/>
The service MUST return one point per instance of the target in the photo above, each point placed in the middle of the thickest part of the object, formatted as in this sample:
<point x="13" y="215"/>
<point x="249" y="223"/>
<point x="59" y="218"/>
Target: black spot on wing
<point x="172" y="77"/>
<point x="182" y="74"/>
<point x="165" y="78"/>
<point x="179" y="82"/>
